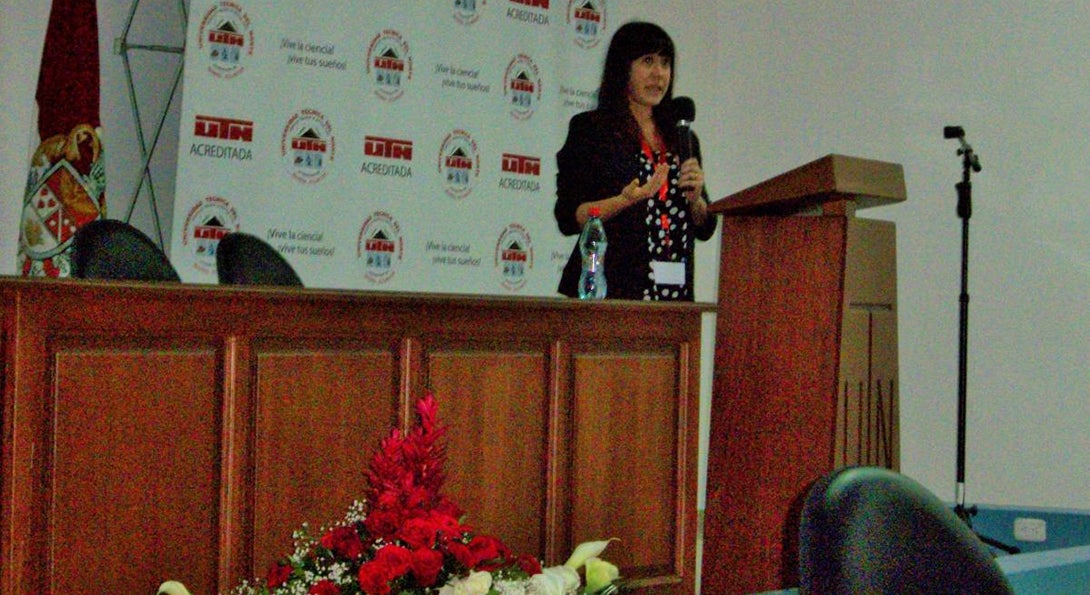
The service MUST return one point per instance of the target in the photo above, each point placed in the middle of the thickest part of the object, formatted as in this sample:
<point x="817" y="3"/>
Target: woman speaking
<point x="623" y="158"/>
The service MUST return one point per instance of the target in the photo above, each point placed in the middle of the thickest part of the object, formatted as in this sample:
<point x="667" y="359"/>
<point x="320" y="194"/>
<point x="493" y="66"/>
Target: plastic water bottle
<point x="592" y="245"/>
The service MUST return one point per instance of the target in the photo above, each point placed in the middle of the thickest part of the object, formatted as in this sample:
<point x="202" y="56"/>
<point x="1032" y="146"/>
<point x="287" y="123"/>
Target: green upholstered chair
<point x="244" y="259"/>
<point x="872" y="530"/>
<point x="112" y="249"/>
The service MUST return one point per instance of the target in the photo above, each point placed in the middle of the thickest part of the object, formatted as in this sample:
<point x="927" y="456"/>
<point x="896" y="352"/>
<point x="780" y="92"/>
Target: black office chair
<point x="872" y="530"/>
<point x="112" y="249"/>
<point x="244" y="259"/>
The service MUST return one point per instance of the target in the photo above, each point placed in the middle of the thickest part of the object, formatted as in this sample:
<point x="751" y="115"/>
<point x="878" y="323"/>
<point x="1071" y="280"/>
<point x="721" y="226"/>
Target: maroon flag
<point x="67" y="179"/>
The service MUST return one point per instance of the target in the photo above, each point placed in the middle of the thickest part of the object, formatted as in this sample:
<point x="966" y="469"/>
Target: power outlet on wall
<point x="1030" y="529"/>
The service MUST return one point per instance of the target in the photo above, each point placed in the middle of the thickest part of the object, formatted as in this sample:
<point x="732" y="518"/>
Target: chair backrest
<point x="112" y="249"/>
<point x="872" y="530"/>
<point x="244" y="259"/>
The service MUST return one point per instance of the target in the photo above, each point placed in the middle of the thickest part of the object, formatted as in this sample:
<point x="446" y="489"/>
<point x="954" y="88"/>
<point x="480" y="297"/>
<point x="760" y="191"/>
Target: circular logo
<point x="468" y="12"/>
<point x="207" y="221"/>
<point x="307" y="146"/>
<point x="379" y="247"/>
<point x="389" y="65"/>
<point x="225" y="39"/>
<point x="522" y="87"/>
<point x="514" y="256"/>
<point x="587" y="21"/>
<point x="459" y="163"/>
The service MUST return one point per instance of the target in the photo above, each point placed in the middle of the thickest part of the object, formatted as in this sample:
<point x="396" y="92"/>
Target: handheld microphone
<point x="685" y="111"/>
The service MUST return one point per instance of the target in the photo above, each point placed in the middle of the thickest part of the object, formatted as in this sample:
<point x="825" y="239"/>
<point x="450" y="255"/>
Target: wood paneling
<point x="776" y="361"/>
<point x="805" y="358"/>
<point x="806" y="364"/>
<point x="135" y="464"/>
<point x="179" y="431"/>
<point x="321" y="411"/>
<point x="500" y="404"/>
<point x="626" y="456"/>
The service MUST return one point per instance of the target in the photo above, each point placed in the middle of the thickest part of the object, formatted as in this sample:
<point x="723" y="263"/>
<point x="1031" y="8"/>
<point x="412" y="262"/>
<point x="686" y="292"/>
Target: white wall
<point x="22" y="27"/>
<point x="880" y="79"/>
<point x="778" y="84"/>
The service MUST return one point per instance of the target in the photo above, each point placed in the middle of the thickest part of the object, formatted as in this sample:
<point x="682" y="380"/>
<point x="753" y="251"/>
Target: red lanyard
<point x="647" y="152"/>
<point x="664" y="219"/>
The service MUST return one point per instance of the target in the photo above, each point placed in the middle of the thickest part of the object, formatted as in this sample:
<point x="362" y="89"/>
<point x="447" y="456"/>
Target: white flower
<point x="477" y="583"/>
<point x="585" y="550"/>
<point x="600" y="574"/>
<point x="511" y="587"/>
<point x="173" y="588"/>
<point x="556" y="580"/>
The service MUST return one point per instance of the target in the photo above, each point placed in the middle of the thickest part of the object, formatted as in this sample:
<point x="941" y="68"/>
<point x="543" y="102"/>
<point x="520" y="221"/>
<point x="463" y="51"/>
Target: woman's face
<point x="648" y="79"/>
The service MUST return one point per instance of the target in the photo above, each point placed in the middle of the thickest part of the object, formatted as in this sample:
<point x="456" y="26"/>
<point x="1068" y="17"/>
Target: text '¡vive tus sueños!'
<point x="317" y="55"/>
<point x="301" y="243"/>
<point x="461" y="79"/>
<point x="451" y="254"/>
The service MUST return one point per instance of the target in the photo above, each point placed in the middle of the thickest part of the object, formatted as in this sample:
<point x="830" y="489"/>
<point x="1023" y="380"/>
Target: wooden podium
<point x="805" y="359"/>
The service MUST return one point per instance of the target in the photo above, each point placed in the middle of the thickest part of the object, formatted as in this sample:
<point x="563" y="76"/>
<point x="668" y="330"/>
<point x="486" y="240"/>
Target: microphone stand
<point x="969" y="163"/>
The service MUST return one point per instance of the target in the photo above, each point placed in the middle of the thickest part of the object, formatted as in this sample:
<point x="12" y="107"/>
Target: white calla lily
<point x="585" y="550"/>
<point x="556" y="580"/>
<point x="600" y="574"/>
<point x="173" y="588"/>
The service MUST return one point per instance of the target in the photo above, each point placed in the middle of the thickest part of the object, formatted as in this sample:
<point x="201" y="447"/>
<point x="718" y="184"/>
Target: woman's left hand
<point x="691" y="179"/>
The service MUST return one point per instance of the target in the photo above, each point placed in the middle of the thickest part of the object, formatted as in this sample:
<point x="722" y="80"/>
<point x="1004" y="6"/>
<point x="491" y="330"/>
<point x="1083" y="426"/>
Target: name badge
<point x="668" y="273"/>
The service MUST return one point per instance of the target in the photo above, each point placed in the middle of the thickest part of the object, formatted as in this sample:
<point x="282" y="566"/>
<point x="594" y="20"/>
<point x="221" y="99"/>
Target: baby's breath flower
<point x="357" y="512"/>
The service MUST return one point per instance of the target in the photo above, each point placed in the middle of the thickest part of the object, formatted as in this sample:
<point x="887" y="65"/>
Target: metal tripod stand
<point x="969" y="163"/>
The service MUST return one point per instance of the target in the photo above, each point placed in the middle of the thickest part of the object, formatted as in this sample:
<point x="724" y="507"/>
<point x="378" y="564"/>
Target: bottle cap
<point x="595" y="212"/>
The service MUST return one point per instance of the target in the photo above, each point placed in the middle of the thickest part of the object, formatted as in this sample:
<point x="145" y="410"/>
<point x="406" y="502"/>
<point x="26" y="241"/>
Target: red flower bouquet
<point x="407" y="539"/>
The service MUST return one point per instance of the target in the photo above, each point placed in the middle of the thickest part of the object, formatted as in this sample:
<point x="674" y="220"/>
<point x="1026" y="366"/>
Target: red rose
<point x="396" y="559"/>
<point x="325" y="587"/>
<point x="426" y="566"/>
<point x="529" y="564"/>
<point x="447" y="524"/>
<point x="382" y="523"/>
<point x="278" y="574"/>
<point x="374" y="578"/>
<point x="343" y="541"/>
<point x="461" y="553"/>
<point x="419" y="533"/>
<point x="486" y="548"/>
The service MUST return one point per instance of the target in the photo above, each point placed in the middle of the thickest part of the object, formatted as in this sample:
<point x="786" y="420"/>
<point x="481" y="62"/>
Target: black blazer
<point x="597" y="161"/>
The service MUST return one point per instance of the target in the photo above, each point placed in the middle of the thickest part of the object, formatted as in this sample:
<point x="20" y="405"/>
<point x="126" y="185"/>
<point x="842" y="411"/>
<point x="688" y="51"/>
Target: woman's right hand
<point x="635" y="192"/>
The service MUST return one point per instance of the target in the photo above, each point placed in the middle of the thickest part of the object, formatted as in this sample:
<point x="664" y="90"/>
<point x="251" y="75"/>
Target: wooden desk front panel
<point x="155" y="432"/>
<point x="134" y="467"/>
<point x="320" y="412"/>
<point x="626" y="455"/>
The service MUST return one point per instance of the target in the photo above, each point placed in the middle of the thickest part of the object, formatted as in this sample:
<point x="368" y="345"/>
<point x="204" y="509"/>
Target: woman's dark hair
<point x="630" y="42"/>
